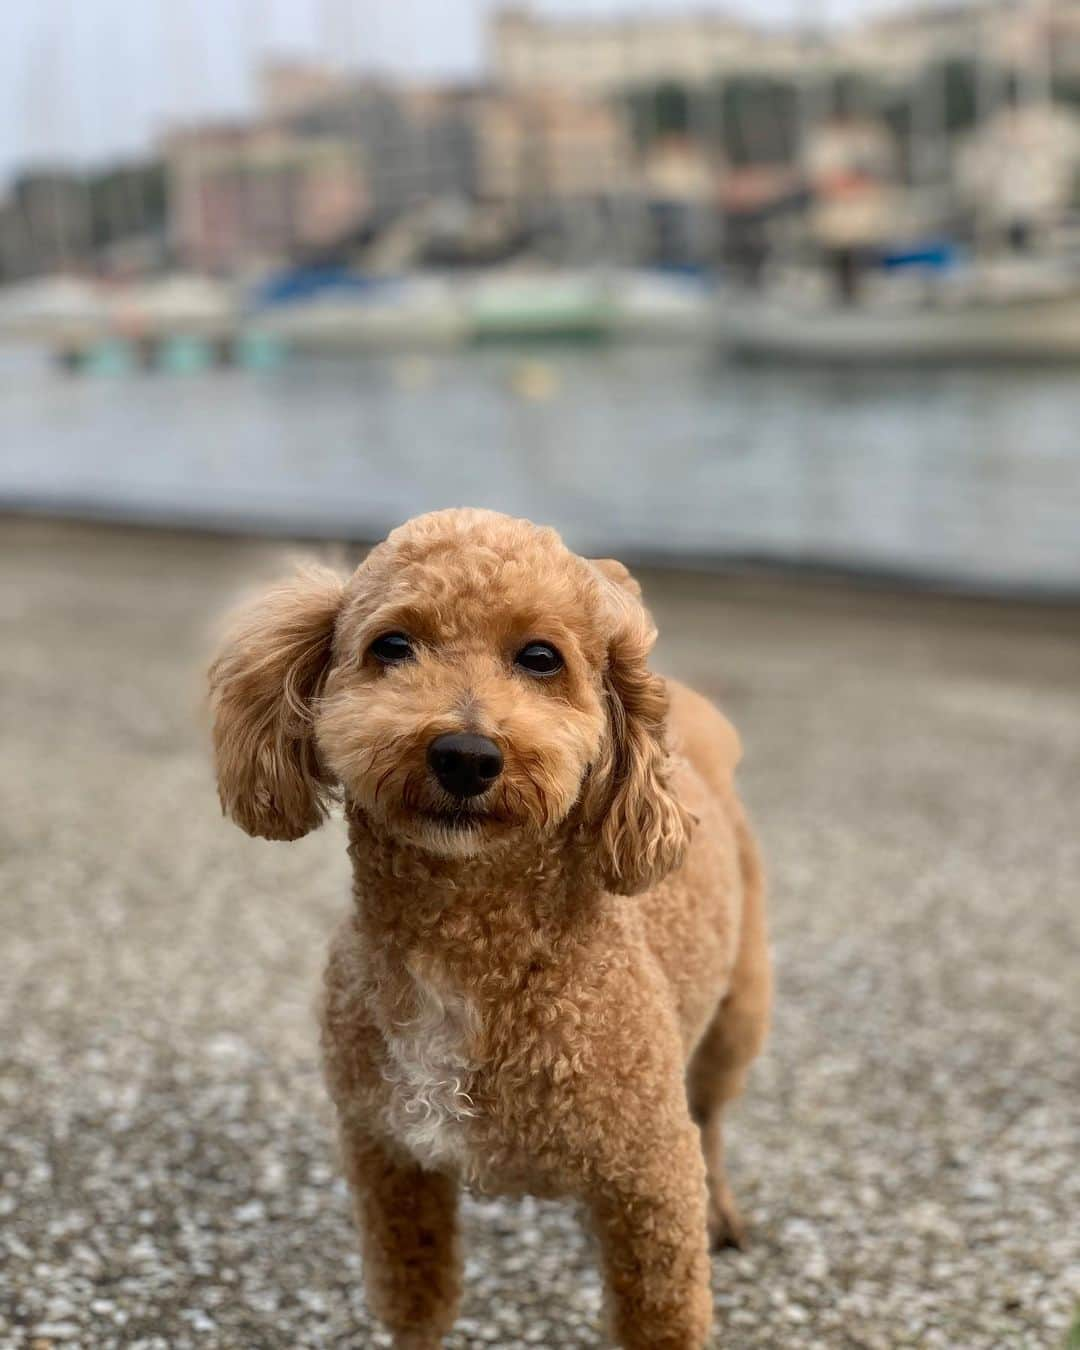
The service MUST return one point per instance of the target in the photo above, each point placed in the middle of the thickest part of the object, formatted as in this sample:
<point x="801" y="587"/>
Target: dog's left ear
<point x="642" y="828"/>
<point x="618" y="574"/>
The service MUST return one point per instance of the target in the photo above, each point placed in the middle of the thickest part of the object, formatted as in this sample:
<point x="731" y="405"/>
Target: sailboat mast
<point x="985" y="95"/>
<point x="1040" y="82"/>
<point x="928" y="117"/>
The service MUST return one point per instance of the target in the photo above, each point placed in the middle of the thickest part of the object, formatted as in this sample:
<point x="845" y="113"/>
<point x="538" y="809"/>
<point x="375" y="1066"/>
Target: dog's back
<point x="698" y="730"/>
<point x="704" y="922"/>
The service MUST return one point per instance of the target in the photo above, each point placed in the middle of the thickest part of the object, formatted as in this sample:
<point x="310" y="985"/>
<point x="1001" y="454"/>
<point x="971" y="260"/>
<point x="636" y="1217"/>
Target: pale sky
<point x="93" y="80"/>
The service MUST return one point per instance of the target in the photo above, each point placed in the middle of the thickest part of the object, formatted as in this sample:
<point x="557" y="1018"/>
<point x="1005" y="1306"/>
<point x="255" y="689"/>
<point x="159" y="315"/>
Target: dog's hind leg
<point x="408" y="1231"/>
<point x="717" y="1069"/>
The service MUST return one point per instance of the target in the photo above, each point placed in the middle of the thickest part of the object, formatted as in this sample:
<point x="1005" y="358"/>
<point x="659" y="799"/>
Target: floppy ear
<point x="642" y="827"/>
<point x="262" y="690"/>
<point x="619" y="574"/>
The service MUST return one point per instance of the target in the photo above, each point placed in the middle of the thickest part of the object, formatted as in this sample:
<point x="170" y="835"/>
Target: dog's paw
<point x="417" y="1340"/>
<point x="726" y="1226"/>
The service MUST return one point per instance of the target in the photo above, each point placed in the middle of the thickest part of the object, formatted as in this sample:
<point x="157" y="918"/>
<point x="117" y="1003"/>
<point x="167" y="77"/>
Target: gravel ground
<point x="907" y="1154"/>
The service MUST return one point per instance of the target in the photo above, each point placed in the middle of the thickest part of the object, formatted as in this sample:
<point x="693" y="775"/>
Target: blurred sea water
<point x="962" y="476"/>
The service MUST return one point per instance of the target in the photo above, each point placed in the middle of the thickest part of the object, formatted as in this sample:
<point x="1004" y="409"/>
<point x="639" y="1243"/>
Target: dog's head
<point x="473" y="682"/>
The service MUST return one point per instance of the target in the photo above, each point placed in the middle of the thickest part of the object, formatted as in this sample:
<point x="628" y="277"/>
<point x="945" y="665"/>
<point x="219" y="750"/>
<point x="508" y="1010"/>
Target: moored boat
<point x="1008" y="318"/>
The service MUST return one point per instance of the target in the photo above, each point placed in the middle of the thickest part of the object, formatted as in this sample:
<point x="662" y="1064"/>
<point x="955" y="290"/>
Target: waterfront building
<point x="258" y="194"/>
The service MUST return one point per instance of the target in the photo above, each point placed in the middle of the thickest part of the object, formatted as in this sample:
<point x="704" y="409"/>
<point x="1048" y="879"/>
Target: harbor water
<point x="968" y="477"/>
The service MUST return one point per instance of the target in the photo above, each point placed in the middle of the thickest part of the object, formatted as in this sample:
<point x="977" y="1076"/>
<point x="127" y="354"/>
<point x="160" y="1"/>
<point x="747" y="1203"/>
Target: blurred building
<point x="541" y="145"/>
<point x="56" y="220"/>
<point x="327" y="154"/>
<point x="418" y="143"/>
<point x="1020" y="171"/>
<point x="851" y="168"/>
<point x="410" y="143"/>
<point x="846" y="149"/>
<point x="897" y="44"/>
<point x="627" y="131"/>
<point x="334" y="158"/>
<point x="258" y="194"/>
<point x="46" y="225"/>
<point x="598" y="55"/>
<point x="288" y="87"/>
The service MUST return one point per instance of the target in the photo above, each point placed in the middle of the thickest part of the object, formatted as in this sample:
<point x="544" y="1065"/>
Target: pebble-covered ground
<point x="908" y="1154"/>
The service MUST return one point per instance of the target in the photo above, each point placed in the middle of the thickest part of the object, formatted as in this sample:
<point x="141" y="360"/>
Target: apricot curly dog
<point x="496" y="1012"/>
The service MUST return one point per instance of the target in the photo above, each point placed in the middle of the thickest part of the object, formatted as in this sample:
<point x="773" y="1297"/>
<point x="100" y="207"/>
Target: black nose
<point x="464" y="764"/>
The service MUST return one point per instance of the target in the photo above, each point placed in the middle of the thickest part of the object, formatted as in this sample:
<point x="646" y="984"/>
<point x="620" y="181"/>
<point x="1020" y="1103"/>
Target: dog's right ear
<point x="263" y="687"/>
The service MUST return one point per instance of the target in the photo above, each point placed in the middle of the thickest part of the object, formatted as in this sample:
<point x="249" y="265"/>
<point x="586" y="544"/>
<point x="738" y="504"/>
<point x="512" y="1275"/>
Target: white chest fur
<point x="427" y="1069"/>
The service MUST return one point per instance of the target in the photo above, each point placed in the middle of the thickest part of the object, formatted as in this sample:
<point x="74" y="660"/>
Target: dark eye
<point x="539" y="658"/>
<point x="392" y="648"/>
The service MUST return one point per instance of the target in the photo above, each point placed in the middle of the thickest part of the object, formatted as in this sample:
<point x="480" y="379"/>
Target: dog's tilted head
<point x="471" y="684"/>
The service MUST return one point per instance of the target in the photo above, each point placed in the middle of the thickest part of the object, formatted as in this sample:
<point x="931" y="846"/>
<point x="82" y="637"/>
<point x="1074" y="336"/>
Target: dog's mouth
<point x="431" y="817"/>
<point x="457" y="818"/>
<point x="455" y="831"/>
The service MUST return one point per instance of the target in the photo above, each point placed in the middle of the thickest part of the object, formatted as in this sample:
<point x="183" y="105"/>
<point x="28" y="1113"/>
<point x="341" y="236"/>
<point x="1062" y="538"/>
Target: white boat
<point x="425" y="311"/>
<point x="512" y="304"/>
<point x="628" y="305"/>
<point x="987" y="318"/>
<point x="660" y="306"/>
<point x="71" y="313"/>
<point x="51" y="308"/>
<point x="417" y="312"/>
<point x="173" y="305"/>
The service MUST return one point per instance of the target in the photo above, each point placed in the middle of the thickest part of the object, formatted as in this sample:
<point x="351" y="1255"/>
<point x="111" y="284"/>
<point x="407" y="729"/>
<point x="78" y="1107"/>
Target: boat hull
<point x="1046" y="328"/>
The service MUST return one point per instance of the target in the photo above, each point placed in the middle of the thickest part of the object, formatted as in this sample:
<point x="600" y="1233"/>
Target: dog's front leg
<point x="408" y="1235"/>
<point x="648" y="1207"/>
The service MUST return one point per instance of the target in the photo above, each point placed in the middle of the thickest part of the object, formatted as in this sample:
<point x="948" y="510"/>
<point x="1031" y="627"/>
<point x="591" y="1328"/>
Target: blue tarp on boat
<point x="306" y="283"/>
<point x="935" y="255"/>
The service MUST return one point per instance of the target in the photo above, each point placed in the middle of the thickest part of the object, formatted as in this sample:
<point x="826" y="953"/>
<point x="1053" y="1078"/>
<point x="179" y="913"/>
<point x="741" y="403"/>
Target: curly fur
<point x="496" y="1012"/>
<point x="263" y="689"/>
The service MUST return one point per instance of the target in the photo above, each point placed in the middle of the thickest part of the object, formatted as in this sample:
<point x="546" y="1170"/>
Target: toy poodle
<point x="555" y="972"/>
